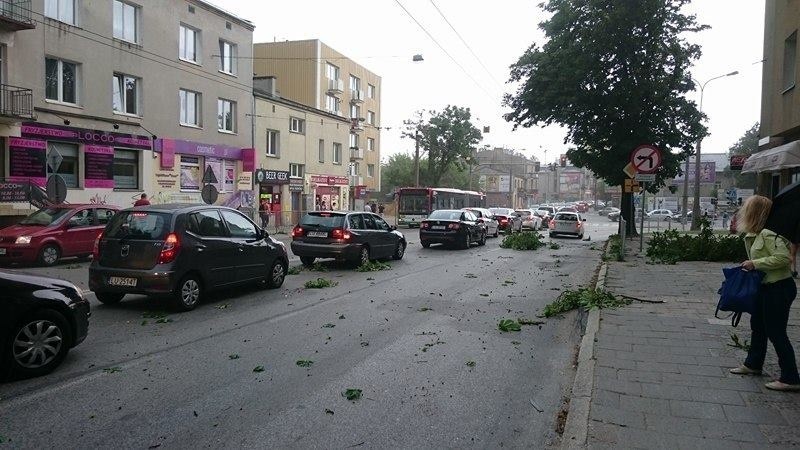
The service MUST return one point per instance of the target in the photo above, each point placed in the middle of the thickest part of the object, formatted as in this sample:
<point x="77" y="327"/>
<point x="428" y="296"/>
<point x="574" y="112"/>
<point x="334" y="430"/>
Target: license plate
<point x="438" y="227"/>
<point x="122" y="281"/>
<point x="318" y="234"/>
<point x="2" y="251"/>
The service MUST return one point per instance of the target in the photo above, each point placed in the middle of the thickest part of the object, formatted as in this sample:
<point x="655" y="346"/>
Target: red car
<point x="54" y="232"/>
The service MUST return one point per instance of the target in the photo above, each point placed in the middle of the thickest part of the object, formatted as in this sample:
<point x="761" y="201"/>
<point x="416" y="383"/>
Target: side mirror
<point x="262" y="233"/>
<point x="584" y="219"/>
<point x="393" y="227"/>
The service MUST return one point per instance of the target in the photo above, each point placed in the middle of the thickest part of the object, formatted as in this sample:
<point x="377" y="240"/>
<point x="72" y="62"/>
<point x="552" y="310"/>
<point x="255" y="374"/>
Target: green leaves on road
<point x="555" y="246"/>
<point x="373" y="266"/>
<point x="523" y="241"/>
<point x="424" y="308"/>
<point x="583" y="298"/>
<point x="304" y="362"/>
<point x="523" y="321"/>
<point x="112" y="369"/>
<point x="258" y="369"/>
<point x="320" y="283"/>
<point x="470" y="275"/>
<point x="233" y="356"/>
<point x="470" y="363"/>
<point x="739" y="343"/>
<point x="352" y="394"/>
<point x="506" y="325"/>
<point x="294" y="270"/>
<point x="328" y="325"/>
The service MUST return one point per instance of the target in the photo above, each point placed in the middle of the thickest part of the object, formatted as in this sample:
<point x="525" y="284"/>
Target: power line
<point x="466" y="45"/>
<point x="444" y="50"/>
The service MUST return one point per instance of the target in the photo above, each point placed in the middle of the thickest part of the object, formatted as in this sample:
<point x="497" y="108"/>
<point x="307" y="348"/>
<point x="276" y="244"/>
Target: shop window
<point x="191" y="175"/>
<point x="229" y="168"/>
<point x="126" y="169"/>
<point x="296" y="170"/>
<point x="226" y="115"/>
<point x="126" y="21"/>
<point x="337" y="153"/>
<point x="272" y="142"/>
<point x="321" y="151"/>
<point x="61" y="10"/>
<point x="297" y="125"/>
<point x="125" y="94"/>
<point x="61" y="81"/>
<point x="68" y="169"/>
<point x="190" y="108"/>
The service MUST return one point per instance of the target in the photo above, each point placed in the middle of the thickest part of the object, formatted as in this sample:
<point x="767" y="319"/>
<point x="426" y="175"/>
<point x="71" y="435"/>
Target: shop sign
<point x="330" y="180"/>
<point x="197" y="149"/>
<point x="268" y="176"/>
<point x="244" y="182"/>
<point x="98" y="166"/>
<point x="13" y="192"/>
<point x="27" y="160"/>
<point x="295" y="185"/>
<point x="84" y="136"/>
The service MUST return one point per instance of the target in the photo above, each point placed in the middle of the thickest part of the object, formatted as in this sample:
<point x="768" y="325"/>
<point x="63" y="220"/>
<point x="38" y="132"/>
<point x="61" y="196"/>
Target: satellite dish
<point x="209" y="194"/>
<point x="56" y="189"/>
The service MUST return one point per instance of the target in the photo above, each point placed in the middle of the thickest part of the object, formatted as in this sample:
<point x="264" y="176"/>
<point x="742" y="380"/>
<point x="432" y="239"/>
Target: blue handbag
<point x="739" y="292"/>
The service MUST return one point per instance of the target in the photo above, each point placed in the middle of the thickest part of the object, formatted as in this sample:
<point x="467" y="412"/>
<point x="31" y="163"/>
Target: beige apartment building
<point x="301" y="156"/>
<point x="311" y="73"/>
<point x="778" y="161"/>
<point x="126" y="97"/>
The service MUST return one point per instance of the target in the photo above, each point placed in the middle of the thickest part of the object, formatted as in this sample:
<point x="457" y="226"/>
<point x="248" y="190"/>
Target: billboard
<point x="496" y="183"/>
<point x="708" y="173"/>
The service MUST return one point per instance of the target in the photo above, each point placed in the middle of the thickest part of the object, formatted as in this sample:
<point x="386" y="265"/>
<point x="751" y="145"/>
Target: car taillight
<point x="454" y="226"/>
<point x="170" y="249"/>
<point x="297" y="232"/>
<point x="503" y="220"/>
<point x="578" y="226"/>
<point x="96" y="250"/>
<point x="340" y="233"/>
<point x="552" y="225"/>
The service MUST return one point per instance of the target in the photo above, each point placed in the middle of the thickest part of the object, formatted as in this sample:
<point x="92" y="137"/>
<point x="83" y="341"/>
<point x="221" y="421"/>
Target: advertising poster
<point x="99" y="166"/>
<point x="27" y="160"/>
<point x="191" y="175"/>
<point x="708" y="173"/>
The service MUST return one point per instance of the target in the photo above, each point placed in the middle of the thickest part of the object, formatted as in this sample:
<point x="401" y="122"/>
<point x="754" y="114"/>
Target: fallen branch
<point x="641" y="299"/>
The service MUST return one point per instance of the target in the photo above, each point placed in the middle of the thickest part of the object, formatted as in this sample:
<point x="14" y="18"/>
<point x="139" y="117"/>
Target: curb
<point x="577" y="426"/>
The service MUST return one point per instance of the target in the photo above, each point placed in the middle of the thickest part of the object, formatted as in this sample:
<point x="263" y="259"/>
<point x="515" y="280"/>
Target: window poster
<point x="98" y="166"/>
<point x="27" y="160"/>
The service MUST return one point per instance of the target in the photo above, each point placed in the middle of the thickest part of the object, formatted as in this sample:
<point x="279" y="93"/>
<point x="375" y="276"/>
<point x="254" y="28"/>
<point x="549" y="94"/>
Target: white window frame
<point x="355" y="111"/>
<point x="321" y="156"/>
<point x="228" y="51"/>
<point x="337" y="153"/>
<point x="225" y="106"/>
<point x="60" y="75"/>
<point x="123" y="33"/>
<point x="296" y="170"/>
<point x="297" y="125"/>
<point x="332" y="104"/>
<point x="123" y="97"/>
<point x="182" y="49"/>
<point x="61" y="13"/>
<point x="371" y="170"/>
<point x="355" y="83"/>
<point x="370" y="90"/>
<point x="355" y="168"/>
<point x="354" y="141"/>
<point x="371" y="144"/>
<point x="371" y="117"/>
<point x="273" y="147"/>
<point x="183" y="100"/>
<point x="332" y="69"/>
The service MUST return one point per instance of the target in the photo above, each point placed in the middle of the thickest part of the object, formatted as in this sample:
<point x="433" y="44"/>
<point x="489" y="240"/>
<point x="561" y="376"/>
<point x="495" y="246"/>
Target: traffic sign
<point x="629" y="170"/>
<point x="646" y="158"/>
<point x="54" y="159"/>
<point x="648" y="177"/>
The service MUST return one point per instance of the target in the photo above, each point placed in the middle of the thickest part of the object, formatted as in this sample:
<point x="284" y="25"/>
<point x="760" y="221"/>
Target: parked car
<point x="607" y="210"/>
<point x="54" y="232"/>
<point x="662" y="215"/>
<point x="451" y="226"/>
<point x="182" y="251"/>
<point x="41" y="318"/>
<point x="567" y="222"/>
<point x="508" y="219"/>
<point x="544" y="215"/>
<point x="582" y="207"/>
<point x="353" y="236"/>
<point x="487" y="218"/>
<point x="568" y="209"/>
<point x="530" y="220"/>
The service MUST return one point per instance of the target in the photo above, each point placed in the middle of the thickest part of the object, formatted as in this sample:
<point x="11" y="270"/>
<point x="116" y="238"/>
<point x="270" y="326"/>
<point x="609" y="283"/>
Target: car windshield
<point x="502" y="211"/>
<point x="444" y="214"/>
<point x="413" y="204"/>
<point x="523" y="213"/>
<point x="45" y="217"/>
<point x="323" y="220"/>
<point x="138" y="225"/>
<point x="567" y="217"/>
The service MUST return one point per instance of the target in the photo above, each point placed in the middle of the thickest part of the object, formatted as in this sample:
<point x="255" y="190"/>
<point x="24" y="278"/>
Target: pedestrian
<point x="769" y="253"/>
<point x="143" y="201"/>
<point x="725" y="219"/>
<point x="373" y="208"/>
<point x="381" y="209"/>
<point x="367" y="208"/>
<point x="264" y="214"/>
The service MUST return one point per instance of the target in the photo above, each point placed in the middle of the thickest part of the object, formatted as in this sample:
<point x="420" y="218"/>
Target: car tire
<point x="483" y="239"/>
<point x="497" y="232"/>
<point x="188" y="294"/>
<point x="46" y="325"/>
<point x="307" y="261"/>
<point x="399" y="251"/>
<point x="465" y="244"/>
<point x="552" y="234"/>
<point x="109" y="298"/>
<point x="425" y="244"/>
<point x="49" y="255"/>
<point x="276" y="275"/>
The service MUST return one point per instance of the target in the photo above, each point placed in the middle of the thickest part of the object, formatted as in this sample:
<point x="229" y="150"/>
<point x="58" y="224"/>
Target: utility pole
<point x="416" y="158"/>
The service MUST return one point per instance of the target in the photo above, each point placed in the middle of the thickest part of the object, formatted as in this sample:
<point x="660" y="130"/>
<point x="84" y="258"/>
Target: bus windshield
<point x="413" y="204"/>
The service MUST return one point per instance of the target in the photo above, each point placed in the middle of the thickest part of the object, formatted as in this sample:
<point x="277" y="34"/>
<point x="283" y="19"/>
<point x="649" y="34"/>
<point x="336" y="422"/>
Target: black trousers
<point x="769" y="323"/>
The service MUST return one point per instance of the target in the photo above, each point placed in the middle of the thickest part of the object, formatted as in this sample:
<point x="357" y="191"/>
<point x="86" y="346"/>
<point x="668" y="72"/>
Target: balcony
<point x="356" y="96"/>
<point x="356" y="153"/>
<point x="15" y="102"/>
<point x="15" y="15"/>
<point x="335" y="87"/>
<point x="356" y="124"/>
<point x="356" y="180"/>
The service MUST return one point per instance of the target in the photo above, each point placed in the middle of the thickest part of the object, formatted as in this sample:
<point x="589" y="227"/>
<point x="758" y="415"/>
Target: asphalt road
<point x="406" y="337"/>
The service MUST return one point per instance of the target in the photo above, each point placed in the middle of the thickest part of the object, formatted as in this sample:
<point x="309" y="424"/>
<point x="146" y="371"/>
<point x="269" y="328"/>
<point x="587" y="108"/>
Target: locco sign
<point x="84" y="136"/>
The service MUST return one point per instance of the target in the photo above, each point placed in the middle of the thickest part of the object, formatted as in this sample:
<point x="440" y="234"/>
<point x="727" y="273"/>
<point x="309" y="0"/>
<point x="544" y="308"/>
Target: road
<point x="407" y="337"/>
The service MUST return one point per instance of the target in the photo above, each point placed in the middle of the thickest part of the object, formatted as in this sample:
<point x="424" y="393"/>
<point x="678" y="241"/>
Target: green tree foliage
<point x="746" y="145"/>
<point x="398" y="171"/>
<point x="448" y="137"/>
<point x="614" y="73"/>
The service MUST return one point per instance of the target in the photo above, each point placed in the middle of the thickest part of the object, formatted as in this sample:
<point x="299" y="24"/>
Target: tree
<point x="615" y="74"/>
<point x="746" y="145"/>
<point x="398" y="171"/>
<point x="448" y="137"/>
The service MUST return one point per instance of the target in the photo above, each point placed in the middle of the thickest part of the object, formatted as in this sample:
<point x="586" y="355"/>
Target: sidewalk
<point x="661" y="369"/>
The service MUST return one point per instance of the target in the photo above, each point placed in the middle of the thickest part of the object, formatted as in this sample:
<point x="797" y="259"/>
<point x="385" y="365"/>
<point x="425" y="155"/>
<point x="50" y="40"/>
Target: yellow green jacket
<point x="770" y="254"/>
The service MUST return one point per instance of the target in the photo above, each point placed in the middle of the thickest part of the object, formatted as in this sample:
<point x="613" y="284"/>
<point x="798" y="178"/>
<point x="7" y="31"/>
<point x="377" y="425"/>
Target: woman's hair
<point x="753" y="215"/>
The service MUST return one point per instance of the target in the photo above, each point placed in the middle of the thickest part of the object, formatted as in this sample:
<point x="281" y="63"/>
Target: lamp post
<point x="696" y="206"/>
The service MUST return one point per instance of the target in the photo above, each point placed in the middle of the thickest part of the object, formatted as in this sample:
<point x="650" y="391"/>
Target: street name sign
<point x="646" y="177"/>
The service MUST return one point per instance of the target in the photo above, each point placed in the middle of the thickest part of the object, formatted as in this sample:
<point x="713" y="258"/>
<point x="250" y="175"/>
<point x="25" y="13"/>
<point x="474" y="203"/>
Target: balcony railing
<point x="335" y="86"/>
<point x="16" y="101"/>
<point x="16" y="15"/>
<point x="356" y="153"/>
<point x="356" y="96"/>
<point x="356" y="180"/>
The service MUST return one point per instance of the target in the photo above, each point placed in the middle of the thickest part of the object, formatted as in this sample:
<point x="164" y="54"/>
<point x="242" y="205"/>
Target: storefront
<point x="270" y="193"/>
<point x="329" y="192"/>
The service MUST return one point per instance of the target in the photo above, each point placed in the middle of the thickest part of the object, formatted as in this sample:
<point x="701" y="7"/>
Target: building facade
<point x="128" y="98"/>
<point x="313" y="74"/>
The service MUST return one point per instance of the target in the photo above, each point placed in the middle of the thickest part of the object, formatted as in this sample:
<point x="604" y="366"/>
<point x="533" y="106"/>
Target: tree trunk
<point x="627" y="213"/>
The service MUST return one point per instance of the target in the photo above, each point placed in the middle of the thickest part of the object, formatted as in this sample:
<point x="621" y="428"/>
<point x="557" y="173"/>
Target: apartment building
<point x="127" y="98"/>
<point x="778" y="161"/>
<point x="301" y="157"/>
<point x="313" y="74"/>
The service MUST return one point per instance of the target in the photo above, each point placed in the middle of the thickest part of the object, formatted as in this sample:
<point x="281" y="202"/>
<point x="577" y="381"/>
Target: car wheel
<point x="276" y="275"/>
<point x="466" y="242"/>
<point x="483" y="239"/>
<point x="552" y="234"/>
<point x="307" y="261"/>
<point x="425" y="244"/>
<point x="49" y="255"/>
<point x="497" y="232"/>
<point x="109" y="298"/>
<point x="38" y="344"/>
<point x="399" y="251"/>
<point x="189" y="293"/>
<point x="363" y="256"/>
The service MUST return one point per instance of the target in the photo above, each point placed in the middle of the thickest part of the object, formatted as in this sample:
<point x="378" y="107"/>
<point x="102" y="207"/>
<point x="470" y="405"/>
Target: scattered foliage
<point x="424" y="308"/>
<point x="373" y="266"/>
<point x="614" y="250"/>
<point x="523" y="241"/>
<point x="294" y="270"/>
<point x="739" y="343"/>
<point x="112" y="369"/>
<point x="352" y="394"/>
<point x="506" y="325"/>
<point x="328" y="325"/>
<point x="154" y="315"/>
<point x="320" y="283"/>
<point x="555" y="246"/>
<point x="258" y="369"/>
<point x="583" y="298"/>
<point x="318" y="267"/>
<point x="470" y="363"/>
<point x="233" y="356"/>
<point x="671" y="246"/>
<point x="304" y="363"/>
<point x="523" y="321"/>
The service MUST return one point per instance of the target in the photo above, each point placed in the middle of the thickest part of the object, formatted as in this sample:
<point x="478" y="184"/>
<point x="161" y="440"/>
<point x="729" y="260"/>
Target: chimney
<point x="267" y="85"/>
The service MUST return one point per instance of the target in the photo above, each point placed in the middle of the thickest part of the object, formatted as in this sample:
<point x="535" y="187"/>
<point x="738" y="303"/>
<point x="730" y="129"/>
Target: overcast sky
<point x="381" y="36"/>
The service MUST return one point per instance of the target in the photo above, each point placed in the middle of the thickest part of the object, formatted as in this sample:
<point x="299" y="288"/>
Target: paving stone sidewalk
<point x="661" y="376"/>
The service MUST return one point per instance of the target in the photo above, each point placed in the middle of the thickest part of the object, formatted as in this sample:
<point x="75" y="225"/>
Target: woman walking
<point x="769" y="253"/>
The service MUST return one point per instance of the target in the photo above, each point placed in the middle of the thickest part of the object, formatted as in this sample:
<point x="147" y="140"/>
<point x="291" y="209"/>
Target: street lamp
<point x="696" y="206"/>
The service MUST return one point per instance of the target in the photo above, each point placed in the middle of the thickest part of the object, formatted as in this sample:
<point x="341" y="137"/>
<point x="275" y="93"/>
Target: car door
<point x="355" y="224"/>
<point x="370" y="234"/>
<point x="80" y="233"/>
<point x="213" y="252"/>
<point x="101" y="216"/>
<point x="252" y="260"/>
<point x="384" y="237"/>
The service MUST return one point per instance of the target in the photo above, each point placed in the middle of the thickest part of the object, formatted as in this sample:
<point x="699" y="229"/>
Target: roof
<point x="216" y="9"/>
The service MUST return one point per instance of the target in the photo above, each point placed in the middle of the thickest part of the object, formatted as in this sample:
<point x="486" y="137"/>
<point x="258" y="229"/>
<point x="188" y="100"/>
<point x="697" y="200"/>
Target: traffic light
<point x="563" y="160"/>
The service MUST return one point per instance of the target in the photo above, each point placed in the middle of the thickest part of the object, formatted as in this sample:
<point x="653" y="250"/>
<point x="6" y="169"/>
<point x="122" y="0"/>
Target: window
<point x="370" y="170"/>
<point x="337" y="153"/>
<point x="370" y="117"/>
<point x="226" y="115"/>
<point x="61" y="10"/>
<point x="69" y="165"/>
<point x="353" y="141"/>
<point x="355" y="111"/>
<point x="370" y="91"/>
<point x="332" y="104"/>
<point x="369" y="222"/>
<point x="188" y="44"/>
<point x="332" y="72"/>
<point x="125" y="94"/>
<point x="355" y="83"/>
<point x="126" y="169"/>
<point x="126" y="21"/>
<point x="370" y="144"/>
<point x="239" y="226"/>
<point x="206" y="223"/>
<point x="272" y="143"/>
<point x="789" y="61"/>
<point x="190" y="108"/>
<point x="227" y="57"/>
<point x="82" y="218"/>
<point x="191" y="176"/>
<point x="381" y="224"/>
<point x="103" y="215"/>
<point x="355" y="222"/>
<point x="321" y="150"/>
<point x="296" y="170"/>
<point x="61" y="81"/>
<point x="355" y="168"/>
<point x="297" y="125"/>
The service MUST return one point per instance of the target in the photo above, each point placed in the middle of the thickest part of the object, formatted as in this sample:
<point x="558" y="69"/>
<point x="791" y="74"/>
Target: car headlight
<point x="23" y="240"/>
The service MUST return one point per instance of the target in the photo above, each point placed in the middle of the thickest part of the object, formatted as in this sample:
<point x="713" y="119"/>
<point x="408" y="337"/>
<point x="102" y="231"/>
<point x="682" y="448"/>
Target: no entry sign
<point x="646" y="158"/>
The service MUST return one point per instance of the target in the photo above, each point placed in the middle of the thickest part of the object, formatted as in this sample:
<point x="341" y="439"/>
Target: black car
<point x="182" y="251"/>
<point x="353" y="236"/>
<point x="451" y="226"/>
<point x="41" y="318"/>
